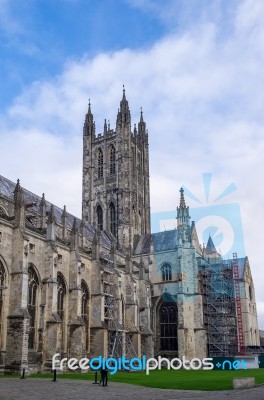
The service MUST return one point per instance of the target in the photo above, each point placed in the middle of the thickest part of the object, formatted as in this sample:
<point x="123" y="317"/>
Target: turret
<point x="74" y="236"/>
<point x="123" y="115"/>
<point x="43" y="211"/>
<point x="210" y="250"/>
<point x="183" y="217"/>
<point x="64" y="218"/>
<point x="19" y="206"/>
<point x="141" y="124"/>
<point x="89" y="125"/>
<point x="51" y="225"/>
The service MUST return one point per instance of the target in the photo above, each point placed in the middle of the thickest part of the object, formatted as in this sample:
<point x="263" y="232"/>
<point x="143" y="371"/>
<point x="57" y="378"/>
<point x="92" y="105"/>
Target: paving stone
<point x="45" y="389"/>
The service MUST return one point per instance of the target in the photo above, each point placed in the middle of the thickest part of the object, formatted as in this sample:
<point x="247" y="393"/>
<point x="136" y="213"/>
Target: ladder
<point x="240" y="333"/>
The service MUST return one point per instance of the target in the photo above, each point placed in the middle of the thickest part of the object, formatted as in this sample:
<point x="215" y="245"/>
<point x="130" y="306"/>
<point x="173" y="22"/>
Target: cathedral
<point x="104" y="284"/>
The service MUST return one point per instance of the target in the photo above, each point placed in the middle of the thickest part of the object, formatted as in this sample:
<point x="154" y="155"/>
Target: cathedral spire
<point x="141" y="115"/>
<point x="124" y="103"/>
<point x="183" y="217"/>
<point x="141" y="124"/>
<point x="182" y="199"/>
<point x="123" y="115"/>
<point x="105" y="127"/>
<point x="210" y="247"/>
<point x="89" y="125"/>
<point x="210" y="250"/>
<point x="124" y="93"/>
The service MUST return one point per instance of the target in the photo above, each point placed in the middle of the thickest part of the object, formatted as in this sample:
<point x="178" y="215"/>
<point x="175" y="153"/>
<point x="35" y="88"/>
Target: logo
<point x="221" y="221"/>
<point x="229" y="365"/>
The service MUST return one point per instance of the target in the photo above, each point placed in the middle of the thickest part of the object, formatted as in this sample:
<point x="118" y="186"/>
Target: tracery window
<point x="61" y="291"/>
<point x="112" y="219"/>
<point x="166" y="272"/>
<point x="33" y="284"/>
<point x="112" y="160"/>
<point x="85" y="298"/>
<point x="168" y="326"/>
<point x="100" y="161"/>
<point x="99" y="213"/>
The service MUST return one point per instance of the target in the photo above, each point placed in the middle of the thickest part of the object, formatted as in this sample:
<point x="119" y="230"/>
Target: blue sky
<point x="38" y="36"/>
<point x="196" y="68"/>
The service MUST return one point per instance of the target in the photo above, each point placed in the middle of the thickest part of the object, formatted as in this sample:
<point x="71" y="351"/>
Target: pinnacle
<point x="182" y="199"/>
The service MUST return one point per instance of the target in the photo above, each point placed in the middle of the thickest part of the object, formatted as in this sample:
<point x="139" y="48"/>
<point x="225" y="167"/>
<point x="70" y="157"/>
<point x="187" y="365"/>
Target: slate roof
<point x="162" y="241"/>
<point x="7" y="188"/>
<point x="210" y="247"/>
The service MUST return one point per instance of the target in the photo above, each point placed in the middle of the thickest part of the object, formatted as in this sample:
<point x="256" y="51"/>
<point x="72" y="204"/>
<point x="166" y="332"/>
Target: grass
<point x="164" y="379"/>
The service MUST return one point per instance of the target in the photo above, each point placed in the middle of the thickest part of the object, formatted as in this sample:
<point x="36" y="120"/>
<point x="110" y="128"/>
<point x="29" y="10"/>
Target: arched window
<point x="112" y="219"/>
<point x="2" y="211"/>
<point x="84" y="311"/>
<point x="250" y="292"/>
<point x="166" y="272"/>
<point x="168" y="326"/>
<point x="112" y="160"/>
<point x="99" y="213"/>
<point x="85" y="298"/>
<point x="100" y="161"/>
<point x="33" y="284"/>
<point x="61" y="291"/>
<point x="2" y="281"/>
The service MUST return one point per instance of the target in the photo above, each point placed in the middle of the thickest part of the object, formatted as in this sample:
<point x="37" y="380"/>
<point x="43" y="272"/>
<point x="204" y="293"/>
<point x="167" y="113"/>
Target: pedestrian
<point x="104" y="376"/>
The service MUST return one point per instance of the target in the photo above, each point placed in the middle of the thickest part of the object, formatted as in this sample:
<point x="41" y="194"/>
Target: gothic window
<point x="2" y="280"/>
<point x="61" y="291"/>
<point x="33" y="284"/>
<point x="166" y="272"/>
<point x="85" y="298"/>
<point x="84" y="310"/>
<point x="250" y="292"/>
<point x="100" y="161"/>
<point x="112" y="160"/>
<point x="112" y="219"/>
<point x="2" y="211"/>
<point x="99" y="213"/>
<point x="168" y="326"/>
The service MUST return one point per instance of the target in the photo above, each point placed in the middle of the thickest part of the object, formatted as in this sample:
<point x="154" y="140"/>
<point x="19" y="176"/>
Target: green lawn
<point x="180" y="379"/>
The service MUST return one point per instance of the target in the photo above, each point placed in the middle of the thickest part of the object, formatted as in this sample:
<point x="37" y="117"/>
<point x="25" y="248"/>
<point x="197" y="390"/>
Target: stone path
<point x="45" y="389"/>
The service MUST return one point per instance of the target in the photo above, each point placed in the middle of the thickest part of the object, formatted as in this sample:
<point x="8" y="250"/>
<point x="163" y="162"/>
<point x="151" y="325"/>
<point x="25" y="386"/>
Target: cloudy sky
<point x="196" y="68"/>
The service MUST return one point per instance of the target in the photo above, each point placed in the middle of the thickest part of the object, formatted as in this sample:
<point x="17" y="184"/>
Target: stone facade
<point x="116" y="177"/>
<point x="54" y="280"/>
<point x="103" y="284"/>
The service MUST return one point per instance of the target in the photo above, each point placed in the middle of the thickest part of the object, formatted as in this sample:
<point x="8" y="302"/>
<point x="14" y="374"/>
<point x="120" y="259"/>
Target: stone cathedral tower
<point x="116" y="195"/>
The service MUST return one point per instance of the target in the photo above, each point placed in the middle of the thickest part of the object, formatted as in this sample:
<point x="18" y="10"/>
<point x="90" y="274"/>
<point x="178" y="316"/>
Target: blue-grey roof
<point x="143" y="246"/>
<point x="210" y="247"/>
<point x="166" y="240"/>
<point x="7" y="188"/>
<point x="162" y="241"/>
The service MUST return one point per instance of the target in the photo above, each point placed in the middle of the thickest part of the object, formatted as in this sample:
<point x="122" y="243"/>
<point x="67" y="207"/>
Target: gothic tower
<point x="116" y="177"/>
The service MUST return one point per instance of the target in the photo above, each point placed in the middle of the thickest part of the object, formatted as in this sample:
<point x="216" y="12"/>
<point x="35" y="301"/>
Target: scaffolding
<point x="240" y="333"/>
<point x="217" y="288"/>
<point x="120" y="340"/>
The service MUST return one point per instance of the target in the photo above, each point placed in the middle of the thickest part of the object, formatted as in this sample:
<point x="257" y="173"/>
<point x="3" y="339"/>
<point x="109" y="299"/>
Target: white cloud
<point x="202" y="99"/>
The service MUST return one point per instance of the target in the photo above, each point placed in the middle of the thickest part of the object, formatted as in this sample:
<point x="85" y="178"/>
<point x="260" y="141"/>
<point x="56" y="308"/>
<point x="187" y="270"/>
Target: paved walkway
<point x="44" y="389"/>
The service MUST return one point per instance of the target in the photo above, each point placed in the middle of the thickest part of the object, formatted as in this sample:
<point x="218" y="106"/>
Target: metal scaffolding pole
<point x="119" y="338"/>
<point x="217" y="287"/>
